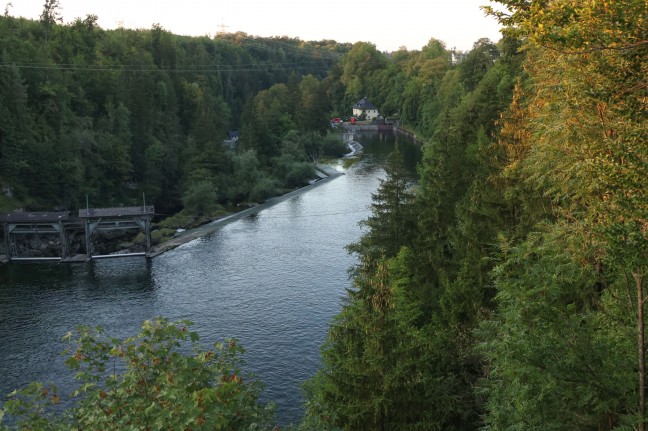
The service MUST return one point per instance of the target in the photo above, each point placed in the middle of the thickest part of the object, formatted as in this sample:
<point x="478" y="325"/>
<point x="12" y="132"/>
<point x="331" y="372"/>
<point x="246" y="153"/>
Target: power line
<point x="314" y="54"/>
<point x="203" y="69"/>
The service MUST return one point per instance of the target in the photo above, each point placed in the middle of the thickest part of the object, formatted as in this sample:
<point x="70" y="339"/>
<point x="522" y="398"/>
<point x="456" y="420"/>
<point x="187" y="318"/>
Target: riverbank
<point x="285" y="267"/>
<point x="325" y="174"/>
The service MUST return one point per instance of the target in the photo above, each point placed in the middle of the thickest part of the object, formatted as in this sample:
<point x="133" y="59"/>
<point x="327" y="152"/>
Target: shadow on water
<point x="29" y="273"/>
<point x="41" y="302"/>
<point x="379" y="145"/>
<point x="121" y="273"/>
<point x="116" y="277"/>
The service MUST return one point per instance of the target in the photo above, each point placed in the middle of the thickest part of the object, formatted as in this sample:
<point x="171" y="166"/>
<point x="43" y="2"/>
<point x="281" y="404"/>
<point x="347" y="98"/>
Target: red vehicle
<point x="336" y="120"/>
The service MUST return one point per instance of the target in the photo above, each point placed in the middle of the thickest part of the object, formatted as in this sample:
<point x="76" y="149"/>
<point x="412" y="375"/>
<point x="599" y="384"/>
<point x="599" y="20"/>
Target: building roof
<point x="117" y="212"/>
<point x="35" y="217"/>
<point x="364" y="104"/>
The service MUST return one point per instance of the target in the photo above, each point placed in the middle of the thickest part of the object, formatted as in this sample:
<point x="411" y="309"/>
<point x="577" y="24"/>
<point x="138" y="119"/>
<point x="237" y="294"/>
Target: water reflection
<point x="120" y="275"/>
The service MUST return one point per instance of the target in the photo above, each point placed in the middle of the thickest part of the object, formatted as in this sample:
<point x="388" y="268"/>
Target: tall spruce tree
<point x="392" y="222"/>
<point x="375" y="372"/>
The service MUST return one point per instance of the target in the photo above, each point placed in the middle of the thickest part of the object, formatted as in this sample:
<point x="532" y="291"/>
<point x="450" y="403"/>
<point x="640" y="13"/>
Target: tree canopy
<point x="525" y="272"/>
<point x="112" y="114"/>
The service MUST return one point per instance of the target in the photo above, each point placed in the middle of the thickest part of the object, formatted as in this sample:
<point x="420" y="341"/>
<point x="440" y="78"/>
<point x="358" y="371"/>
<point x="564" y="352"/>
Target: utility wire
<point x="316" y="55"/>
<point x="205" y="69"/>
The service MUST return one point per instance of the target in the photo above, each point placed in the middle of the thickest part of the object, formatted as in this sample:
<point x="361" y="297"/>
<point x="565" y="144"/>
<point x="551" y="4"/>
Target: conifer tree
<point x="391" y="223"/>
<point x="375" y="373"/>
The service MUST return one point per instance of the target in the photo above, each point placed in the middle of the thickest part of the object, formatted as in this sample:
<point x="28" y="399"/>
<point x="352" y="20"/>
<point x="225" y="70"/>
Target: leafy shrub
<point x="201" y="198"/>
<point x="147" y="382"/>
<point x="333" y="146"/>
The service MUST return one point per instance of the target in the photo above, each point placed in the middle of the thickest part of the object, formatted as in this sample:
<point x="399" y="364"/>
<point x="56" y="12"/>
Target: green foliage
<point x="113" y="113"/>
<point x="572" y="142"/>
<point x="160" y="235"/>
<point x="374" y="374"/>
<point x="441" y="285"/>
<point x="559" y="354"/>
<point x="477" y="62"/>
<point x="249" y="182"/>
<point x="147" y="382"/>
<point x="392" y="222"/>
<point x="317" y="146"/>
<point x="263" y="188"/>
<point x="314" y="105"/>
<point x="201" y="199"/>
<point x="291" y="166"/>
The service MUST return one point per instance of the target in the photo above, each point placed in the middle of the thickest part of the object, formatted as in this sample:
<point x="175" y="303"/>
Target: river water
<point x="273" y="280"/>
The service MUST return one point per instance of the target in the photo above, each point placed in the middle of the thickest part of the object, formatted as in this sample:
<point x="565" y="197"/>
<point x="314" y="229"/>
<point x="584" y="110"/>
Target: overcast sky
<point x="387" y="24"/>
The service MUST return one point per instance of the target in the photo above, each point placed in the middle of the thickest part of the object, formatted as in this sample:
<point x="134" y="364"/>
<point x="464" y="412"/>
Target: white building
<point x="367" y="108"/>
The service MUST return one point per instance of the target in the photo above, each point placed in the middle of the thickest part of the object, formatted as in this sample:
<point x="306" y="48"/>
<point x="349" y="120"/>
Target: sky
<point x="387" y="24"/>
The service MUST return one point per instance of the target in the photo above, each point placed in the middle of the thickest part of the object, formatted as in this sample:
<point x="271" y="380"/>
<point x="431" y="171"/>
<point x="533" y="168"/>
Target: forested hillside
<point x="112" y="114"/>
<point x="507" y="290"/>
<point x="401" y="354"/>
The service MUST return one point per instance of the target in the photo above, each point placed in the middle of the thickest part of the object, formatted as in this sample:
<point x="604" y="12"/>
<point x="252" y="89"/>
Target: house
<point x="456" y="57"/>
<point x="365" y="107"/>
<point x="232" y="139"/>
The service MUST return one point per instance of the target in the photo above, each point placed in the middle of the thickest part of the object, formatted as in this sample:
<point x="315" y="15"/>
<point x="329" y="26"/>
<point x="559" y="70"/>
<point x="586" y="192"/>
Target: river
<point x="273" y="280"/>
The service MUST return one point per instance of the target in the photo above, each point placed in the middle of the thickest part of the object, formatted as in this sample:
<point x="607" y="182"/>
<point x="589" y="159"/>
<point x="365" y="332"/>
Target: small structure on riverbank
<point x="24" y="226"/>
<point x="108" y="219"/>
<point x="49" y="235"/>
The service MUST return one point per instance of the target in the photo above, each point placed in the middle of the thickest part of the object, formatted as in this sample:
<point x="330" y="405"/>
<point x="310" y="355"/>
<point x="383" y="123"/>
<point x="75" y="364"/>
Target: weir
<point x="19" y="225"/>
<point x="34" y="223"/>
<point x="108" y="219"/>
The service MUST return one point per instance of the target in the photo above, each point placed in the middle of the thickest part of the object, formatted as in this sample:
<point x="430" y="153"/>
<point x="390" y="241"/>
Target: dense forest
<point x="505" y="290"/>
<point x="112" y="114"/>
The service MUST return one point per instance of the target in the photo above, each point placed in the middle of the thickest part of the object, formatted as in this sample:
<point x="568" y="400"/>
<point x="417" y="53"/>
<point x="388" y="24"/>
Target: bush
<point x="264" y="188"/>
<point x="157" y="387"/>
<point x="299" y="173"/>
<point x="161" y="235"/>
<point x="201" y="198"/>
<point x="183" y="219"/>
<point x="333" y="146"/>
